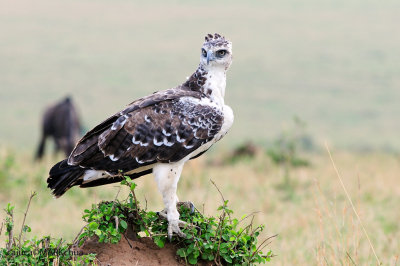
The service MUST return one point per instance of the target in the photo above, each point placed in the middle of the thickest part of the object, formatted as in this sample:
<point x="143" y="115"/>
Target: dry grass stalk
<point x="351" y="203"/>
<point x="23" y="221"/>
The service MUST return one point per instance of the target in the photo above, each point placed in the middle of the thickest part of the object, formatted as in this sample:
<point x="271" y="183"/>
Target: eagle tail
<point x="63" y="176"/>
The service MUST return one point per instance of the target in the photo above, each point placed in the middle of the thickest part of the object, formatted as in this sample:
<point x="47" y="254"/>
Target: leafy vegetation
<point x="36" y="251"/>
<point x="220" y="240"/>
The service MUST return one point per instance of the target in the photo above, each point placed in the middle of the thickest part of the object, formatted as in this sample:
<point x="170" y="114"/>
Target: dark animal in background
<point x="60" y="122"/>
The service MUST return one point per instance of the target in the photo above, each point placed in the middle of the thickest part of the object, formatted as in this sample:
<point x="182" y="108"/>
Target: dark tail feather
<point x="63" y="176"/>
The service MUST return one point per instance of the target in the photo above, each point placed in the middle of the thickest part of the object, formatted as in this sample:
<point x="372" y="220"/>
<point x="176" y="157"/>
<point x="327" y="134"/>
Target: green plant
<point x="7" y="162"/>
<point x="36" y="251"/>
<point x="220" y="240"/>
<point x="107" y="220"/>
<point x="285" y="150"/>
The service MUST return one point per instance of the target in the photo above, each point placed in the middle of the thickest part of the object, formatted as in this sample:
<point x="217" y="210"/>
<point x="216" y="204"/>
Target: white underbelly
<point x="228" y="121"/>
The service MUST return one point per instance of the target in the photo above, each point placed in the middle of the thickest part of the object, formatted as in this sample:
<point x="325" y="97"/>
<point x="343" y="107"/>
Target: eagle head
<point x="216" y="52"/>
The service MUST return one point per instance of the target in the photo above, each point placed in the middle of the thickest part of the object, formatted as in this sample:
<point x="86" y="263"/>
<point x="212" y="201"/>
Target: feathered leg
<point x="167" y="177"/>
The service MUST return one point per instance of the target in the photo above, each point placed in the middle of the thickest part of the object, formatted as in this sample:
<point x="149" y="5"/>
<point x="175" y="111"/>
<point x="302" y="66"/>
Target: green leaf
<point x="227" y="258"/>
<point x="93" y="225"/>
<point x="159" y="242"/>
<point x="97" y="232"/>
<point x="181" y="252"/>
<point x="192" y="260"/>
<point x="123" y="224"/>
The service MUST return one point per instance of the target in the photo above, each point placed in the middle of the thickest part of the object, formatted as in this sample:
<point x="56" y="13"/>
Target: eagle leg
<point x="167" y="177"/>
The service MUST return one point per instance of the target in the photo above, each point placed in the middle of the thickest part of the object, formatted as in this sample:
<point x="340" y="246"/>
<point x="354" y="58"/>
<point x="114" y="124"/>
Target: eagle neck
<point x="211" y="83"/>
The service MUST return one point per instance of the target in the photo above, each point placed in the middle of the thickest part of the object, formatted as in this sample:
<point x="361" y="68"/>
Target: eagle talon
<point x="163" y="214"/>
<point x="173" y="227"/>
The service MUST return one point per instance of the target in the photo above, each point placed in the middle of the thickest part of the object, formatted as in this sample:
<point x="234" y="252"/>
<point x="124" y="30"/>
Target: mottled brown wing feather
<point x="87" y="146"/>
<point x="158" y="128"/>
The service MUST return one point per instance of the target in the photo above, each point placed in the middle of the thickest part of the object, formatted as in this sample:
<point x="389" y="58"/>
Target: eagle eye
<point x="221" y="53"/>
<point x="203" y="52"/>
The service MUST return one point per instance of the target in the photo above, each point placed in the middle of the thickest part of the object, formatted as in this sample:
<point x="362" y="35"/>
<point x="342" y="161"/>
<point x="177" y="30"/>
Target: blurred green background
<point x="333" y="64"/>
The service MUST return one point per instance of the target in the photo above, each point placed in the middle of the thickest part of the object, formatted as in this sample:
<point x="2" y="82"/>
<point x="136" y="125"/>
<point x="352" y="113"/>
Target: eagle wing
<point x="163" y="127"/>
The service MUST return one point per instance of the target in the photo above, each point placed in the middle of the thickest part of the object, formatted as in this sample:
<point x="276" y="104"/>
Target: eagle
<point x="156" y="134"/>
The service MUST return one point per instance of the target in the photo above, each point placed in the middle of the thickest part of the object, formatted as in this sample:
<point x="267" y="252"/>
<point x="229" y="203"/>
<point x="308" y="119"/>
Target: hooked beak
<point x="210" y="57"/>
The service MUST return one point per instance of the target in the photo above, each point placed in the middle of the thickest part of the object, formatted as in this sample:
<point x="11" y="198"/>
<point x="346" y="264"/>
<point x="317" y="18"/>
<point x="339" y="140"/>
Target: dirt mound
<point x="128" y="252"/>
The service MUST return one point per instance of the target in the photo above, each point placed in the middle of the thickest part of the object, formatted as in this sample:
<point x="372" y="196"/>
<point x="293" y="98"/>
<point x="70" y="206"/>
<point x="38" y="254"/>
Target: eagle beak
<point x="210" y="57"/>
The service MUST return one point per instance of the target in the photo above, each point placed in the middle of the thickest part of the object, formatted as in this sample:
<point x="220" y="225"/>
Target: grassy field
<point x="334" y="64"/>
<point x="311" y="213"/>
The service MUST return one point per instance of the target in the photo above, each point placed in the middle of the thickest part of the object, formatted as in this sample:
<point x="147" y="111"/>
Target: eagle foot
<point x="174" y="225"/>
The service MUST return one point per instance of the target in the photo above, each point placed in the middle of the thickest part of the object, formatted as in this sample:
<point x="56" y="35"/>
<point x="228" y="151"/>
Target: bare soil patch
<point x="131" y="252"/>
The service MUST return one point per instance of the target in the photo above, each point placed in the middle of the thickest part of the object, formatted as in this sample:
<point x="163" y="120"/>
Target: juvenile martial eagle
<point x="156" y="134"/>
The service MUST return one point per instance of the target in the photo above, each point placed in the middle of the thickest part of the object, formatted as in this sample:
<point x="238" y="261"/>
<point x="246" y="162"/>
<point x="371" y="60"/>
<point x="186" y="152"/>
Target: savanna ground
<point x="311" y="214"/>
<point x="333" y="64"/>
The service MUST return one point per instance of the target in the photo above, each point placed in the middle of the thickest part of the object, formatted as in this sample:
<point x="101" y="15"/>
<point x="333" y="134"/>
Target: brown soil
<point x="131" y="252"/>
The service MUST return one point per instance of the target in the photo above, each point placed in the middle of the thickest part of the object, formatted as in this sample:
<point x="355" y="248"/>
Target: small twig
<point x="23" y="221"/>
<point x="222" y="196"/>
<point x="249" y="215"/>
<point x="351" y="202"/>
<point x="1" y="228"/>
<point x="220" y="224"/>
<point x="160" y="235"/>
<point x="348" y="255"/>
<point x="237" y="237"/>
<point x="127" y="240"/>
<point x="253" y="231"/>
<point x="134" y="197"/>
<point x="10" y="234"/>
<point x="59" y="244"/>
<point x="137" y="210"/>
<point x="115" y="199"/>
<point x="326" y="261"/>
<point x="251" y="223"/>
<point x="262" y="243"/>
<point x="145" y="200"/>
<point x="198" y="211"/>
<point x="77" y="236"/>
<point x="116" y="196"/>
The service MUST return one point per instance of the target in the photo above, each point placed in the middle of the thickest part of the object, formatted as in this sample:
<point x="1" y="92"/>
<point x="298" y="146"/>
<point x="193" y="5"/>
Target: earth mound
<point x="131" y="252"/>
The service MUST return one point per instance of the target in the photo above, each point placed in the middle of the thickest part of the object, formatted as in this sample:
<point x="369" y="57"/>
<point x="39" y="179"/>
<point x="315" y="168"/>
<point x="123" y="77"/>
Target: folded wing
<point x="164" y="127"/>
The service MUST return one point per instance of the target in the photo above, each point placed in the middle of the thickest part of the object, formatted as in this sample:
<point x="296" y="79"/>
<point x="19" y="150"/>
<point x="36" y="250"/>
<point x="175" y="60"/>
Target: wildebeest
<point x="61" y="122"/>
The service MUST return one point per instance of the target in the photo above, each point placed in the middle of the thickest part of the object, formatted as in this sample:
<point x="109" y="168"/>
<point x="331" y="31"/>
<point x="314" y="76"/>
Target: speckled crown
<point x="216" y="39"/>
